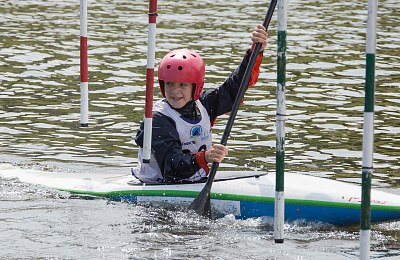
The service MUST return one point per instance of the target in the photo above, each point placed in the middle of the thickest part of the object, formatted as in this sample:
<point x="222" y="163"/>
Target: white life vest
<point x="194" y="137"/>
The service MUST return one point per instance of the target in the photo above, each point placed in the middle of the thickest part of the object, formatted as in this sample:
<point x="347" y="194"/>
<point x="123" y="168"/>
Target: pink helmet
<point x="182" y="66"/>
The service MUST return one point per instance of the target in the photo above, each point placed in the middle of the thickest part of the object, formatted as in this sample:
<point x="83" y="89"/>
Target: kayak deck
<point x="243" y="194"/>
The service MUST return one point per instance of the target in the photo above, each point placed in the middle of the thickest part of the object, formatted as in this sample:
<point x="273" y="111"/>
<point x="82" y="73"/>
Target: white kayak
<point x="243" y="194"/>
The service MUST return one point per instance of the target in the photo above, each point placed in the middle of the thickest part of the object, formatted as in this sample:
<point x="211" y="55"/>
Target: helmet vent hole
<point x="194" y="55"/>
<point x="173" y="55"/>
<point x="180" y="68"/>
<point x="184" y="57"/>
<point x="169" y="66"/>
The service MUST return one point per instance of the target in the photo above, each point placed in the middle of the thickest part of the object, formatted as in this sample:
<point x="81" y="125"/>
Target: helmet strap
<point x="193" y="90"/>
<point x="162" y="87"/>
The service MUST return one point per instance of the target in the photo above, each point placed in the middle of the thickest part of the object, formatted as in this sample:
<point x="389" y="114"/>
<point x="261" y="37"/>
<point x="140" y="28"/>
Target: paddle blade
<point x="202" y="204"/>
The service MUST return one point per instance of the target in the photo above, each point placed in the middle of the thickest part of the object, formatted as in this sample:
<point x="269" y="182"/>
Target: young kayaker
<point x="181" y="144"/>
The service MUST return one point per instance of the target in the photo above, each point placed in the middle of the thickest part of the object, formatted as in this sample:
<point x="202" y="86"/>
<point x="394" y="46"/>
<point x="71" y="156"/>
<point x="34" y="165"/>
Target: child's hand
<point x="260" y="35"/>
<point x="216" y="153"/>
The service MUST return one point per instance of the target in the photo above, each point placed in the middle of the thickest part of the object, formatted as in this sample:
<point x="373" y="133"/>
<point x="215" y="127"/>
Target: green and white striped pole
<point x="279" y="214"/>
<point x="368" y="137"/>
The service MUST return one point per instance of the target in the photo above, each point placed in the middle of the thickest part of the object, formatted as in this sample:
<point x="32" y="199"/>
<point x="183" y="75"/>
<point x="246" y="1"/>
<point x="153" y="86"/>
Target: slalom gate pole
<point x="151" y="46"/>
<point x="279" y="214"/>
<point x="84" y="66"/>
<point x="368" y="137"/>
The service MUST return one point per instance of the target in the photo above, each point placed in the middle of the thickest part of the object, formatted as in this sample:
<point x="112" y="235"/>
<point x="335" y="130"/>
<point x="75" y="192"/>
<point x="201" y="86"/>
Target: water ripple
<point x="40" y="96"/>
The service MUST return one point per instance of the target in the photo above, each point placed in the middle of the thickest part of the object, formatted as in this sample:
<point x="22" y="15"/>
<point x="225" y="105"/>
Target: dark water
<point x="39" y="122"/>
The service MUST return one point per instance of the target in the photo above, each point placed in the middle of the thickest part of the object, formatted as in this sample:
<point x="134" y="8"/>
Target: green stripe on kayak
<point x="222" y="196"/>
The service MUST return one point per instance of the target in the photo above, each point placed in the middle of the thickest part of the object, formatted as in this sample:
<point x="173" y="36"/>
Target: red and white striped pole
<point x="151" y="46"/>
<point x="84" y="67"/>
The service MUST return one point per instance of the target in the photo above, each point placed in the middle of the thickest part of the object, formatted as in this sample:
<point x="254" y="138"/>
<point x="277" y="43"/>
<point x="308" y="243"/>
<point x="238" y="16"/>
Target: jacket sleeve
<point x="174" y="163"/>
<point x="220" y="101"/>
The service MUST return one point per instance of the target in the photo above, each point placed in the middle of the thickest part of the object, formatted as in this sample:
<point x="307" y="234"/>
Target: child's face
<point x="178" y="93"/>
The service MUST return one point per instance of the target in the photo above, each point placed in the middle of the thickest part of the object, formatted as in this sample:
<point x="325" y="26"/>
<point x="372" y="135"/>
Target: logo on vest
<point x="196" y="134"/>
<point x="196" y="131"/>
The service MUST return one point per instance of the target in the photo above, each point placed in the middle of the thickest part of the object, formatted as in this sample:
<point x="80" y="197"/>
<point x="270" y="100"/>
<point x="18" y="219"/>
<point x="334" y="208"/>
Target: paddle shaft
<point x="242" y="89"/>
<point x="201" y="204"/>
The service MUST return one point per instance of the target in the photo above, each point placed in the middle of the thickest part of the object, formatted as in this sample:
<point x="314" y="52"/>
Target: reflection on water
<point x="39" y="90"/>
